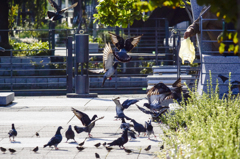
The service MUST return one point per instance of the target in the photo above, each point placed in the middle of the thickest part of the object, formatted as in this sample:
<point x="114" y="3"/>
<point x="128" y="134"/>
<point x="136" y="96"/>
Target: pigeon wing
<point x="144" y="110"/>
<point x="117" y="41"/>
<point x="122" y="56"/>
<point x="128" y="102"/>
<point x="72" y="6"/>
<point x="82" y="116"/>
<point x="177" y="83"/>
<point x="92" y="124"/>
<point x="132" y="42"/>
<point x="54" y="5"/>
<point x="107" y="57"/>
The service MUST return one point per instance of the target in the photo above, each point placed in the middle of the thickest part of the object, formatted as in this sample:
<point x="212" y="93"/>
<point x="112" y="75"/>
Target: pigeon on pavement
<point x="35" y="149"/>
<point x="83" y="117"/>
<point x="97" y="145"/>
<point x="69" y="134"/>
<point x="12" y="150"/>
<point x="138" y="127"/>
<point x="149" y="128"/>
<point x="124" y="46"/>
<point x="53" y="16"/>
<point x="97" y="155"/>
<point x="82" y="143"/>
<point x="109" y="149"/>
<point x="121" y="140"/>
<point x="87" y="128"/>
<point x="148" y="148"/>
<point x="12" y="133"/>
<point x="37" y="134"/>
<point x="55" y="140"/>
<point x="80" y="148"/>
<point x="3" y="149"/>
<point x="109" y="66"/>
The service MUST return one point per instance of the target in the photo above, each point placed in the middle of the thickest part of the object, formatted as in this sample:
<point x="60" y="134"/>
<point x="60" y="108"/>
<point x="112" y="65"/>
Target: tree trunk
<point x="4" y="26"/>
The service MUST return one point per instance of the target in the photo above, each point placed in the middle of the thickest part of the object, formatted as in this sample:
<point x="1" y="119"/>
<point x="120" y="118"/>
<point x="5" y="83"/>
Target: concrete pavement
<point x="45" y="114"/>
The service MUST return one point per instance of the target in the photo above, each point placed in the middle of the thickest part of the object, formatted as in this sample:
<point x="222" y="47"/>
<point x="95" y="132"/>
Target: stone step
<point x="6" y="98"/>
<point x="169" y="77"/>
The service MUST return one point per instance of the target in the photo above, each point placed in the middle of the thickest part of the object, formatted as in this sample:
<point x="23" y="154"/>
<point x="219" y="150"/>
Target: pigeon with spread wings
<point x="109" y="66"/>
<point x="87" y="128"/>
<point x="124" y="46"/>
<point x="83" y="117"/>
<point x="53" y="16"/>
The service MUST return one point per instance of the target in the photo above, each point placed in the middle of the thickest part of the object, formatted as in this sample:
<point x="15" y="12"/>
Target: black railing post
<point x="69" y="65"/>
<point x="11" y="70"/>
<point x="53" y="39"/>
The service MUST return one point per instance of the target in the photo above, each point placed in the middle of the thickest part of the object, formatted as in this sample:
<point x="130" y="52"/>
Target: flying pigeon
<point x="35" y="149"/>
<point x="55" y="140"/>
<point x="12" y="150"/>
<point x="53" y="16"/>
<point x="124" y="46"/>
<point x="82" y="143"/>
<point x="87" y="128"/>
<point x="125" y="125"/>
<point x="120" y="107"/>
<point x="109" y="66"/>
<point x="149" y="129"/>
<point x="97" y="155"/>
<point x="138" y="127"/>
<point x="3" y="149"/>
<point x="69" y="134"/>
<point x="97" y="145"/>
<point x="121" y="140"/>
<point x="2" y="49"/>
<point x="83" y="117"/>
<point x="223" y="78"/>
<point x="148" y="148"/>
<point x="155" y="114"/>
<point x="12" y="133"/>
<point x="80" y="148"/>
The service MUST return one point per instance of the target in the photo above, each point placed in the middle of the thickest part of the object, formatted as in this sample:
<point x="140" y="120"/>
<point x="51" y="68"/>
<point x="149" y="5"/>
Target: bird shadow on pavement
<point x="16" y="142"/>
<point x="102" y="99"/>
<point x="59" y="150"/>
<point x="154" y="140"/>
<point x="93" y="139"/>
<point x="112" y="134"/>
<point x="133" y="140"/>
<point x="73" y="143"/>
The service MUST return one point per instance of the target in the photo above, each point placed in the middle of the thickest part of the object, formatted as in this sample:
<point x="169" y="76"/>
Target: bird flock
<point x="130" y="130"/>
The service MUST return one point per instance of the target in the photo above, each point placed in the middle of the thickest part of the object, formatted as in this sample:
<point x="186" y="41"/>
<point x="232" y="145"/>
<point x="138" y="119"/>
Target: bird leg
<point x="90" y="135"/>
<point x="55" y="147"/>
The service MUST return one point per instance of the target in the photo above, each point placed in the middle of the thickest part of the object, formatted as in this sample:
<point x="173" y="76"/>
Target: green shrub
<point x="206" y="127"/>
<point x="32" y="49"/>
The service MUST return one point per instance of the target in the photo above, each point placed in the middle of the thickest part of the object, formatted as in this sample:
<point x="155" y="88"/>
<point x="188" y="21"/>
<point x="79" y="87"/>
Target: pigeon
<point x="69" y="134"/>
<point x="55" y="140"/>
<point x="138" y="127"/>
<point x="124" y="46"/>
<point x="2" y="49"/>
<point x="104" y="144"/>
<point x="87" y="128"/>
<point x="125" y="125"/>
<point x="82" y="143"/>
<point x="109" y="148"/>
<point x="83" y="117"/>
<point x="149" y="128"/>
<point x="35" y="149"/>
<point x="109" y="66"/>
<point x="162" y="147"/>
<point x="12" y="150"/>
<point x="155" y="114"/>
<point x="97" y="155"/>
<point x="53" y="16"/>
<point x="128" y="151"/>
<point x="12" y="133"/>
<point x="131" y="133"/>
<point x="121" y="140"/>
<point x="97" y="145"/>
<point x="37" y="134"/>
<point x="120" y="107"/>
<point x="80" y="148"/>
<point x="3" y="149"/>
<point x="235" y="84"/>
<point x="148" y="148"/>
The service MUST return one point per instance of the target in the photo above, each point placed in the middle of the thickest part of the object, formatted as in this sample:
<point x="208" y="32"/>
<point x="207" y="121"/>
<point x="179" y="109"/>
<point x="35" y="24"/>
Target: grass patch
<point x="205" y="127"/>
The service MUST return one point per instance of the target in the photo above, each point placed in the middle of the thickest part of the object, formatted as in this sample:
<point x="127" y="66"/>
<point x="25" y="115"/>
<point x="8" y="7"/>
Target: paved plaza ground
<point x="43" y="114"/>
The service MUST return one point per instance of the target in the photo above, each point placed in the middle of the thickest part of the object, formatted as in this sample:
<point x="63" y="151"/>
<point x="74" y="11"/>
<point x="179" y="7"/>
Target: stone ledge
<point x="6" y="98"/>
<point x="74" y="95"/>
